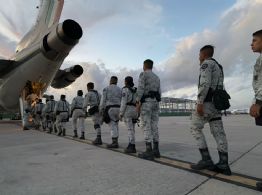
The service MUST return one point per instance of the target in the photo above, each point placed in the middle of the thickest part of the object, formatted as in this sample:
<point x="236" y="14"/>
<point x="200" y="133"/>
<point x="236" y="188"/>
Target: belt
<point x="130" y="104"/>
<point x="113" y="106"/>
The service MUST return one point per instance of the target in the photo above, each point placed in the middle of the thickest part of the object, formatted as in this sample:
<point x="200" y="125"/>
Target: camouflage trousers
<point x="149" y="120"/>
<point x="97" y="120"/>
<point x="61" y="120"/>
<point x="213" y="117"/>
<point x="38" y="120"/>
<point x="50" y="119"/>
<point x="79" y="116"/>
<point x="131" y="129"/>
<point x="114" y="119"/>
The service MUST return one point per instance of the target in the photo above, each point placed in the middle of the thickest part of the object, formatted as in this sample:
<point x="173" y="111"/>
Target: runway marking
<point x="237" y="179"/>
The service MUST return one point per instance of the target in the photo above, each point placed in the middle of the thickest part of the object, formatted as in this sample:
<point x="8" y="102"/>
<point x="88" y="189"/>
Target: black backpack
<point x="220" y="96"/>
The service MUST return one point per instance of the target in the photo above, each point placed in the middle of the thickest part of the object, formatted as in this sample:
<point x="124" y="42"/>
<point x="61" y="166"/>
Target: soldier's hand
<point x="255" y="110"/>
<point x="200" y="109"/>
<point x="138" y="107"/>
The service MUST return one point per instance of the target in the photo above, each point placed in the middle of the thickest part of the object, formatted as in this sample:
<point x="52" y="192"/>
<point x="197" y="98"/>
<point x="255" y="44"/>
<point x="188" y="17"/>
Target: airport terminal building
<point x="176" y="106"/>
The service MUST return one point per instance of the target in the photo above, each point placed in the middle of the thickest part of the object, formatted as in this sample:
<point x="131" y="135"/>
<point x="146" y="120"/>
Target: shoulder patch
<point x="123" y="94"/>
<point x="204" y="66"/>
<point x="141" y="74"/>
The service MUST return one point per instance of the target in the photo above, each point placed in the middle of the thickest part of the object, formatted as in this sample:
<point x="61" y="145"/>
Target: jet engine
<point x="66" y="77"/>
<point x="57" y="44"/>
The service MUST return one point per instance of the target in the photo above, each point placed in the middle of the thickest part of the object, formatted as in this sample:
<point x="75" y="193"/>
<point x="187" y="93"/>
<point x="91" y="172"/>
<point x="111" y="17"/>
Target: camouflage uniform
<point x="128" y="111"/>
<point x="148" y="81"/>
<point x="44" y="121"/>
<point x="210" y="77"/>
<point x="50" y="115"/>
<point x="38" y="114"/>
<point x="78" y="113"/>
<point x="92" y="98"/>
<point x="112" y="97"/>
<point x="62" y="113"/>
<point x="257" y="86"/>
<point x="257" y="80"/>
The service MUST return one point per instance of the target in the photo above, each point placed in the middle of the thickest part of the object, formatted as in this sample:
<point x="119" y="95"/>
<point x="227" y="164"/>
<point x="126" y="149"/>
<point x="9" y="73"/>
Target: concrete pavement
<point x="37" y="163"/>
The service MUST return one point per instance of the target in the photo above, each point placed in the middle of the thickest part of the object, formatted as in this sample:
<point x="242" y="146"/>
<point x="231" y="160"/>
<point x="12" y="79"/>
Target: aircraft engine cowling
<point x="66" y="77"/>
<point x="57" y="44"/>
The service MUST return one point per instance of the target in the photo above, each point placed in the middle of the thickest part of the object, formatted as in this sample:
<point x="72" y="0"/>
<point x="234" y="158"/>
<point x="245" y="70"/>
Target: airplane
<point x="37" y="59"/>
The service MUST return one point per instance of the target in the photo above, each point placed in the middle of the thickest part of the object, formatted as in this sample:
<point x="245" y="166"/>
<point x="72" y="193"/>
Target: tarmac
<point x="34" y="162"/>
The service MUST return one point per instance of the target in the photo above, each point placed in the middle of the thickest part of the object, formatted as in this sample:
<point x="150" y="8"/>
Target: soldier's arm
<point x="44" y="108"/>
<point x="85" y="104"/>
<point x="103" y="100"/>
<point x="68" y="107"/>
<point x="123" y="101"/>
<point x="73" y="104"/>
<point x="204" y="82"/>
<point x="258" y="83"/>
<point x="140" y="87"/>
<point x="56" y="106"/>
<point x="258" y="96"/>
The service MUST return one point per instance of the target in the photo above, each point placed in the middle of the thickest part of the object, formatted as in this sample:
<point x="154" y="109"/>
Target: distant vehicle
<point x="39" y="55"/>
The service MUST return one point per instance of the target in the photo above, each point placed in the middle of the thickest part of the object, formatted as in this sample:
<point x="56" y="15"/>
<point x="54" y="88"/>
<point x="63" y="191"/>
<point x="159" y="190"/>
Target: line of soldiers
<point x="52" y="115"/>
<point x="130" y="103"/>
<point x="126" y="104"/>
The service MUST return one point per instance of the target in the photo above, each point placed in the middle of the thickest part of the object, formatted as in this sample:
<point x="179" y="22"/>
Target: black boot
<point x="259" y="186"/>
<point x="222" y="166"/>
<point x="148" y="154"/>
<point x="75" y="134"/>
<point x="98" y="140"/>
<point x="205" y="163"/>
<point x="131" y="148"/>
<point x="55" y="129"/>
<point x="64" y="132"/>
<point x="156" y="150"/>
<point x="114" y="143"/>
<point x="60" y="132"/>
<point x="49" y="130"/>
<point x="82" y="135"/>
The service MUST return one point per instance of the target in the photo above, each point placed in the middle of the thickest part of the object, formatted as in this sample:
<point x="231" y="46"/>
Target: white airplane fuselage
<point x="40" y="53"/>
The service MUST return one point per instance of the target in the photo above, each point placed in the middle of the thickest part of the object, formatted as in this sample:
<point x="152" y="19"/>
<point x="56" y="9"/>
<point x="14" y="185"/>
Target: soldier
<point x="78" y="113"/>
<point x="38" y="113"/>
<point x="44" y="121"/>
<point x="92" y="99"/>
<point x="62" y="111"/>
<point x="128" y="112"/>
<point x="50" y="115"/>
<point x="211" y="77"/>
<point x="255" y="109"/>
<point x="109" y="106"/>
<point x="148" y="98"/>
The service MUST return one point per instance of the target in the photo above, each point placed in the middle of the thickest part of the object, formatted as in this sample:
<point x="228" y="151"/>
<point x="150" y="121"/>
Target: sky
<point x="118" y="35"/>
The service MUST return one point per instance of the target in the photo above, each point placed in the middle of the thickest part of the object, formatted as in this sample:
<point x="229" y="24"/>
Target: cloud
<point x="15" y="19"/>
<point x="232" y="39"/>
<point x="96" y="73"/>
<point x="179" y="72"/>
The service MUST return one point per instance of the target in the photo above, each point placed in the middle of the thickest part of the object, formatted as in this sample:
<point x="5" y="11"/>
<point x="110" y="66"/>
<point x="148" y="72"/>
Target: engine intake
<point x="61" y="40"/>
<point x="66" y="77"/>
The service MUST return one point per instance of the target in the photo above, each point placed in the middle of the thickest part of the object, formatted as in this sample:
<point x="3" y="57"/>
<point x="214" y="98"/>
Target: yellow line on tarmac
<point x="238" y="179"/>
